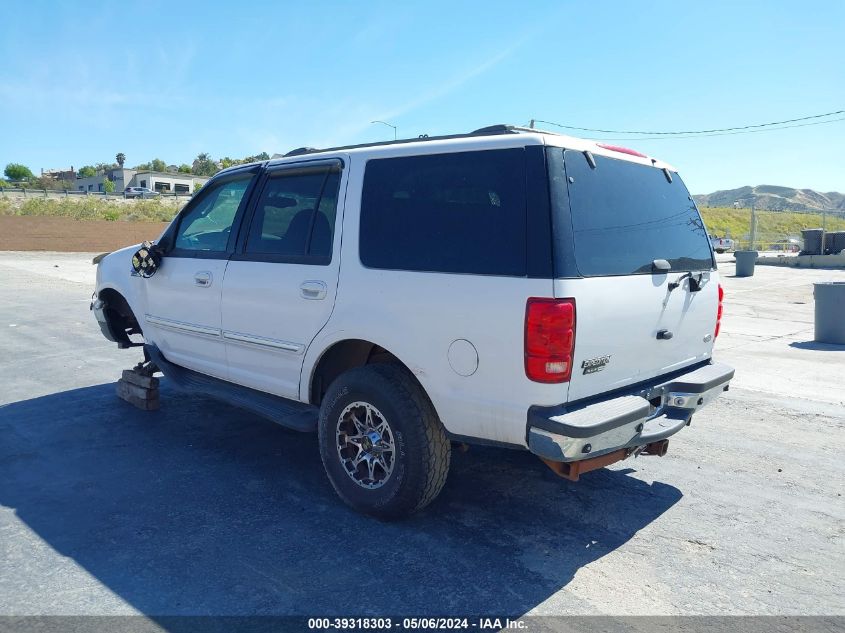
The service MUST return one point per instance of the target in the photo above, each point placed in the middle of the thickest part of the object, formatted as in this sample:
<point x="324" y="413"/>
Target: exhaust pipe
<point x="659" y="448"/>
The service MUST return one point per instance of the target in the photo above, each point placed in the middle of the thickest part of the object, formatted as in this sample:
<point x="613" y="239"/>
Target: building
<point x="59" y="174"/>
<point x="163" y="182"/>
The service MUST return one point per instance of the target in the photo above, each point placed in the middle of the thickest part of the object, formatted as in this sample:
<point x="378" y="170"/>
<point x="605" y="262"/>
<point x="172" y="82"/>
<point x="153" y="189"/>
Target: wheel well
<point x="122" y="321"/>
<point x="344" y="356"/>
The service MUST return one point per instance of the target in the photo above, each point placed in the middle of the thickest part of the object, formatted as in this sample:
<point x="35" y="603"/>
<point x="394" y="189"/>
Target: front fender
<point x="115" y="272"/>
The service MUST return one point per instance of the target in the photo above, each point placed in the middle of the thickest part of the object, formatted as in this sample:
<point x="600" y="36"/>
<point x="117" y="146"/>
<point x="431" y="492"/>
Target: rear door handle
<point x="203" y="279"/>
<point x="313" y="290"/>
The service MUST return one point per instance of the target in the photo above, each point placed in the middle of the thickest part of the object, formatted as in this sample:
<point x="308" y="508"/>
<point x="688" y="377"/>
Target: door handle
<point x="313" y="290"/>
<point x="203" y="279"/>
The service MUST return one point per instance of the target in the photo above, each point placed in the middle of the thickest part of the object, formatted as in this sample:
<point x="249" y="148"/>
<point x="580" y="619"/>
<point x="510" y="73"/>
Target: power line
<point x="665" y="138"/>
<point x="715" y="130"/>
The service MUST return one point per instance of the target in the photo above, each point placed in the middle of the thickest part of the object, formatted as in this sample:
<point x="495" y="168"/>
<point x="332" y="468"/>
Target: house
<point x="163" y="182"/>
<point x="59" y="174"/>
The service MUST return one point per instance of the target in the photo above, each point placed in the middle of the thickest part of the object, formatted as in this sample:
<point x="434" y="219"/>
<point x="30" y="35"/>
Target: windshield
<point x="625" y="215"/>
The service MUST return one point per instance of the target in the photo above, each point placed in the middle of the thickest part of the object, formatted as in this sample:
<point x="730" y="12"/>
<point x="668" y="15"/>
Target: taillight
<point x="549" y="339"/>
<point x="719" y="312"/>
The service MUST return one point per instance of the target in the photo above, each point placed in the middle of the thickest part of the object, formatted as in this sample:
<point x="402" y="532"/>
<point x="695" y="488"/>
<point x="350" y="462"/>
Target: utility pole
<point x="824" y="229"/>
<point x="753" y="236"/>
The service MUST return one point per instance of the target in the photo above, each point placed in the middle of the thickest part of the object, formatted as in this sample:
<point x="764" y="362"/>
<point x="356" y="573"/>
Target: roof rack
<point x="490" y="130"/>
<point x="299" y="151"/>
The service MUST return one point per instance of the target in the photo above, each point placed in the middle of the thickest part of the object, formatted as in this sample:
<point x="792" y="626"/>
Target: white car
<point x="140" y="192"/>
<point x="399" y="297"/>
<point x="721" y="244"/>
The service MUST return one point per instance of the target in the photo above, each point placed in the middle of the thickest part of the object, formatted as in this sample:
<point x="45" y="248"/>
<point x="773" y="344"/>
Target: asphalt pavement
<point x="200" y="508"/>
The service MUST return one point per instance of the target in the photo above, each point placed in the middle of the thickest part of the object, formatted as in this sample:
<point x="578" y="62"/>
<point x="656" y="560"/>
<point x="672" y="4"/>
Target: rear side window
<point x="626" y="215"/>
<point x="458" y="213"/>
<point x="295" y="215"/>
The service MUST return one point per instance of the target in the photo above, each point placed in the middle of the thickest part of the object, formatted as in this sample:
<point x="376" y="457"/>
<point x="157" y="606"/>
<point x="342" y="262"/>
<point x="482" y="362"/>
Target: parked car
<point x="400" y="297"/>
<point x="722" y="244"/>
<point x="790" y="245"/>
<point x="140" y="192"/>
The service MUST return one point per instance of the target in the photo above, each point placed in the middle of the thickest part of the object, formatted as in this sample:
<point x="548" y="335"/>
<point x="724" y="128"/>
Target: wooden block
<point x="148" y="382"/>
<point x="142" y="403"/>
<point x="146" y="399"/>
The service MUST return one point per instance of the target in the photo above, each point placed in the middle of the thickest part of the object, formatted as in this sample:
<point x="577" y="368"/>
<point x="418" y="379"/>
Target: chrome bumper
<point x="629" y="421"/>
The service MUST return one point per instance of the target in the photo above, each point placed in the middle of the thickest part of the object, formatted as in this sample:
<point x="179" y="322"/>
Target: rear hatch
<point x="614" y="221"/>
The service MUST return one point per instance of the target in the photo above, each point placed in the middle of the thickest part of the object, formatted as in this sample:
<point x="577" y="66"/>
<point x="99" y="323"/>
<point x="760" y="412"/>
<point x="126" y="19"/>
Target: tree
<point x="184" y="169"/>
<point x="158" y="165"/>
<point x="197" y="186"/>
<point x="108" y="186"/>
<point x="120" y="158"/>
<point x="204" y="166"/>
<point x="16" y="171"/>
<point x="86" y="172"/>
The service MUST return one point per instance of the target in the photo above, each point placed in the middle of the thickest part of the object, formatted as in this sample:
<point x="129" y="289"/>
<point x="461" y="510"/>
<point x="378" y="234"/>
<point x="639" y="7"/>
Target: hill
<point x="774" y="198"/>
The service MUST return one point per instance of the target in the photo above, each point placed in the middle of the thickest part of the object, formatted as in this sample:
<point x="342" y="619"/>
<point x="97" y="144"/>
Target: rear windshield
<point x="625" y="215"/>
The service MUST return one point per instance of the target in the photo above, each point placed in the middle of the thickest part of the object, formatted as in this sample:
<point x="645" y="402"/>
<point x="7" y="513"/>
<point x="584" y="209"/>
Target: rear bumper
<point x="656" y="412"/>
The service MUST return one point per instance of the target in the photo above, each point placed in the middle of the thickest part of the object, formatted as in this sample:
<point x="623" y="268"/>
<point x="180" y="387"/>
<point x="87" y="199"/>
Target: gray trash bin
<point x="830" y="312"/>
<point x="813" y="241"/>
<point x="835" y="241"/>
<point x="745" y="261"/>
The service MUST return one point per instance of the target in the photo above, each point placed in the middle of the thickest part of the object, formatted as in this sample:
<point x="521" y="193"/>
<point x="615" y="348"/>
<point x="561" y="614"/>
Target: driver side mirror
<point x="147" y="259"/>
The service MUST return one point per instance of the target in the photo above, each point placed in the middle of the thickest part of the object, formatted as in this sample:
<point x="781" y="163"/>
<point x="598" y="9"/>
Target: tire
<point x="384" y="398"/>
<point x="720" y="250"/>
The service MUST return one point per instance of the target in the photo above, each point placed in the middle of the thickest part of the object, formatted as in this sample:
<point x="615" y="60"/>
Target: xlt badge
<point x="592" y="365"/>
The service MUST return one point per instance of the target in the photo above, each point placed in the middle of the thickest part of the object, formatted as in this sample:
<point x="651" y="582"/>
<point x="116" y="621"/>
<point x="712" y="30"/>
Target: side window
<point x="461" y="213"/>
<point x="208" y="225"/>
<point x="295" y="215"/>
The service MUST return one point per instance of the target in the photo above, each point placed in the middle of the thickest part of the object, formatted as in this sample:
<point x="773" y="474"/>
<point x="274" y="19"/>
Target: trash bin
<point x="835" y="242"/>
<point x="745" y="261"/>
<point x="830" y="312"/>
<point x="813" y="241"/>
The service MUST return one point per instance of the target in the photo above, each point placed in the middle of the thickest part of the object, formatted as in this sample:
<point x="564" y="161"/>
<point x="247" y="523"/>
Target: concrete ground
<point x="203" y="509"/>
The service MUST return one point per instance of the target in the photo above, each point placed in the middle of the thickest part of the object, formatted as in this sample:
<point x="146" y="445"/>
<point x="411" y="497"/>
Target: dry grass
<point x="87" y="208"/>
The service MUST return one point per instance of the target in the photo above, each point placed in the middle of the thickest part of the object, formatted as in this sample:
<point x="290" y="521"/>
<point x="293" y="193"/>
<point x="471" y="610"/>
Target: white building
<point x="163" y="182"/>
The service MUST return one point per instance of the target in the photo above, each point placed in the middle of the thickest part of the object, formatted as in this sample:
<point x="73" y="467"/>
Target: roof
<point x="494" y="135"/>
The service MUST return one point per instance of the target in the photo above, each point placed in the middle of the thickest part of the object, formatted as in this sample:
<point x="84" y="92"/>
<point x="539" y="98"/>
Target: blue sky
<point x="81" y="81"/>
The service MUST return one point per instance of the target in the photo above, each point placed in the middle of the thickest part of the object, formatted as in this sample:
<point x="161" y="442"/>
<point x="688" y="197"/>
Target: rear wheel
<point x="383" y="447"/>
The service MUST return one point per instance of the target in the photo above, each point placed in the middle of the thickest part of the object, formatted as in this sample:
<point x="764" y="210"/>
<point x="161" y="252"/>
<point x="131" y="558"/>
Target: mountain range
<point x="774" y="198"/>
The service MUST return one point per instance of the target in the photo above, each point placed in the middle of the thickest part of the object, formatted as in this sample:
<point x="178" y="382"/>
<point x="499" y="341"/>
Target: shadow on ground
<point x="819" y="347"/>
<point x="203" y="509"/>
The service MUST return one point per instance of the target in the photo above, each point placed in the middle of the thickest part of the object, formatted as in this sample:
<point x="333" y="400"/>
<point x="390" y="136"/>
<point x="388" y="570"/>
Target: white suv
<point x="399" y="297"/>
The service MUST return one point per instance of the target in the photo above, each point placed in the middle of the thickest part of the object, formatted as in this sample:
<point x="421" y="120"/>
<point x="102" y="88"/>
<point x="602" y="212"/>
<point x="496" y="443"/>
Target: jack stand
<point x="139" y="387"/>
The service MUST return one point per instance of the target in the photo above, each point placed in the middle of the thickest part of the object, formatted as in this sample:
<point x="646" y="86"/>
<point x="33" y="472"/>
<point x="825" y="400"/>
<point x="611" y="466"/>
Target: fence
<point x="766" y="230"/>
<point x="23" y="192"/>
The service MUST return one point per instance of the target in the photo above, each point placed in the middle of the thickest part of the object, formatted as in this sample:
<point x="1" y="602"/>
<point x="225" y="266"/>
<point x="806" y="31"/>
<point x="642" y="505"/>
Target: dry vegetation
<point x="88" y="208"/>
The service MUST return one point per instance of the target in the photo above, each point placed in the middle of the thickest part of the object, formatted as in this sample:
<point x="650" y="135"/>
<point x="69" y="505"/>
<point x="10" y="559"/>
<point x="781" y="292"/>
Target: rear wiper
<point x="694" y="283"/>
